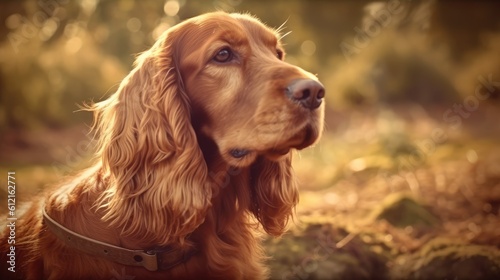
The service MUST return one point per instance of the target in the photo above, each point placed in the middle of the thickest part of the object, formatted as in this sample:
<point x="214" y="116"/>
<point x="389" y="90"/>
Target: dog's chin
<point x="242" y="156"/>
<point x="303" y="139"/>
<point x="277" y="154"/>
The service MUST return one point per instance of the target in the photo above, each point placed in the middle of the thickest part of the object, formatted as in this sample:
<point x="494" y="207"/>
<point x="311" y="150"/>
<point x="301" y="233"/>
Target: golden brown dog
<point x="194" y="156"/>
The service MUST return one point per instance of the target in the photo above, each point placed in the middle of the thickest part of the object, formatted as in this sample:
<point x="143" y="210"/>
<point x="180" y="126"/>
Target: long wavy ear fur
<point x="274" y="193"/>
<point x="150" y="152"/>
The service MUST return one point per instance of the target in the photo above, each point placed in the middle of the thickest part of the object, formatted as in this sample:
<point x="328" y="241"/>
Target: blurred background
<point x="405" y="182"/>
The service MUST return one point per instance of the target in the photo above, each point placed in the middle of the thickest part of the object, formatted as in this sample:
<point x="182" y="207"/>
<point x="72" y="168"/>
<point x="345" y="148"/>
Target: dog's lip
<point x="307" y="140"/>
<point x="281" y="152"/>
<point x="276" y="154"/>
<point x="302" y="139"/>
<point x="299" y="141"/>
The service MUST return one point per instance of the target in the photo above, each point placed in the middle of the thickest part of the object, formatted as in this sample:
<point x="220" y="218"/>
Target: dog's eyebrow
<point x="234" y="39"/>
<point x="271" y="40"/>
<point x="266" y="36"/>
<point x="259" y="33"/>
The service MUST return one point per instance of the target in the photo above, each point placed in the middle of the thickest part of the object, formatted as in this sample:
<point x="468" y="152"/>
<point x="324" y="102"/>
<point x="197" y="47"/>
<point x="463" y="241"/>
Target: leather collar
<point x="162" y="258"/>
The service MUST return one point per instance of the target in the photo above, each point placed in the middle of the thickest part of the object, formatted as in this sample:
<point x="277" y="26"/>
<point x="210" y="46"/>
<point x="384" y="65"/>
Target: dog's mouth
<point x="299" y="141"/>
<point x="303" y="139"/>
<point x="276" y="154"/>
<point x="308" y="139"/>
<point x="274" y="143"/>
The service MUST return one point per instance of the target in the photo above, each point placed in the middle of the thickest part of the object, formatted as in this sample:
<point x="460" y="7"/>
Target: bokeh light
<point x="48" y="29"/>
<point x="171" y="8"/>
<point x="308" y="47"/>
<point x="13" y="21"/>
<point x="134" y="24"/>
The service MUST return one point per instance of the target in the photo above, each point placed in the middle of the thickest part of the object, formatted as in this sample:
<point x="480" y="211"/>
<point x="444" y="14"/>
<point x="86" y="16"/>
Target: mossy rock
<point x="447" y="259"/>
<point x="402" y="210"/>
<point x="313" y="253"/>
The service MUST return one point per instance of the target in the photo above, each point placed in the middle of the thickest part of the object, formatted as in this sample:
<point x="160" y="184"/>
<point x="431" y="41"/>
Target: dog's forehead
<point x="255" y="28"/>
<point x="235" y="24"/>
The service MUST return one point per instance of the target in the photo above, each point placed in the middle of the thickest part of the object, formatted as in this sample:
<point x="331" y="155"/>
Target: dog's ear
<point x="274" y="193"/>
<point x="158" y="185"/>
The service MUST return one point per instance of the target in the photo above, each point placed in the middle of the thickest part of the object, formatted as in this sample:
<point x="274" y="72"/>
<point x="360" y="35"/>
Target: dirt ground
<point x="384" y="198"/>
<point x="389" y="193"/>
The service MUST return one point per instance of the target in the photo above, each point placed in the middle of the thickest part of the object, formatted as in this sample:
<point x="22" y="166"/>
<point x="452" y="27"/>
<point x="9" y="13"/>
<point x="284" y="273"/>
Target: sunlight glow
<point x="308" y="47"/>
<point x="134" y="24"/>
<point x="472" y="156"/>
<point x="160" y="29"/>
<point x="73" y="45"/>
<point x="332" y="198"/>
<point x="357" y="165"/>
<point x="48" y="29"/>
<point x="171" y="8"/>
<point x="13" y="21"/>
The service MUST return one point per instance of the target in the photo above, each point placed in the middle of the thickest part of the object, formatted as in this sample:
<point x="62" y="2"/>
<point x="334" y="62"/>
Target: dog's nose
<point x="308" y="93"/>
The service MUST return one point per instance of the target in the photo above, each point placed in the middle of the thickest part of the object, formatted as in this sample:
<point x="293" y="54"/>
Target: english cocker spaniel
<point x="194" y="156"/>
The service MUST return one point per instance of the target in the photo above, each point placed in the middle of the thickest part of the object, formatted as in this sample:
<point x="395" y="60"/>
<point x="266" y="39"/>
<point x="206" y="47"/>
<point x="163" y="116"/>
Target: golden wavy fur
<point x="195" y="150"/>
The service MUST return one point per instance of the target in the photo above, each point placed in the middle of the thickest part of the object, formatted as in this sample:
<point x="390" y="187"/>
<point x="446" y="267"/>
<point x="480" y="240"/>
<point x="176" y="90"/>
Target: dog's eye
<point x="224" y="55"/>
<point x="279" y="54"/>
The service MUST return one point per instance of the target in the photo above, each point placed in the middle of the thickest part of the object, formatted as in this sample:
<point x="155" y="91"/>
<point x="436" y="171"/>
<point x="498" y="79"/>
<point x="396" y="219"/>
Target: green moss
<point x="402" y="210"/>
<point x="314" y="253"/>
<point x="443" y="258"/>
